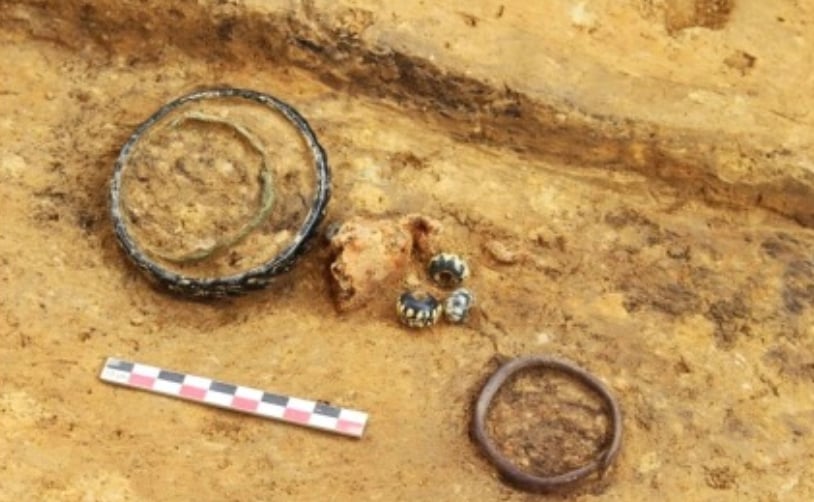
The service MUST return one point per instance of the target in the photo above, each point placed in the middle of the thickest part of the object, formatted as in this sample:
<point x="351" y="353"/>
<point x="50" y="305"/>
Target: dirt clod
<point x="371" y="256"/>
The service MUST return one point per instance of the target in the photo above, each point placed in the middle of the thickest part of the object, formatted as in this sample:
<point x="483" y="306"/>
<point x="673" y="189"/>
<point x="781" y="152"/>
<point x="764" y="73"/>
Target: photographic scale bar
<point x="204" y="390"/>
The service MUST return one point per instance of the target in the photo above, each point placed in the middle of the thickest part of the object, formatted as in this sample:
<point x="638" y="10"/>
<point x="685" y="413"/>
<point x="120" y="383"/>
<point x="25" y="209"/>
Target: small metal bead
<point x="458" y="304"/>
<point x="418" y="310"/>
<point x="448" y="270"/>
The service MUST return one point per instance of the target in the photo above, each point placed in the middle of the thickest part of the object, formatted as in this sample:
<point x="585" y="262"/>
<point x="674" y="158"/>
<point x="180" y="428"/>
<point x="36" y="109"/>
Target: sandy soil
<point x="661" y="239"/>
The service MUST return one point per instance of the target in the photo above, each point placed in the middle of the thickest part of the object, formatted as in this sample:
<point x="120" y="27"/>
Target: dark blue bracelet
<point x="255" y="278"/>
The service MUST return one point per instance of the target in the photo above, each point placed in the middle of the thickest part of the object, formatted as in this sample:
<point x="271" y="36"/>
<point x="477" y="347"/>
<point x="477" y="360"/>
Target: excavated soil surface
<point x="669" y="254"/>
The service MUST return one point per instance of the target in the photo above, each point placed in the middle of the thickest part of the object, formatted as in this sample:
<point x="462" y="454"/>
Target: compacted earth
<point x="631" y="183"/>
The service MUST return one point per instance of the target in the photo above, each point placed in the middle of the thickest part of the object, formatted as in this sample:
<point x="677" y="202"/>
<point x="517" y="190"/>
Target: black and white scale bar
<point x="205" y="390"/>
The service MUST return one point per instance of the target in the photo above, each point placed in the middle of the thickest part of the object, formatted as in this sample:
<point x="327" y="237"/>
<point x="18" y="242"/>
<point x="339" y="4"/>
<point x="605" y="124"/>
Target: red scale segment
<point x="141" y="381"/>
<point x="299" y="416"/>
<point x="191" y="392"/>
<point x="349" y="427"/>
<point x="244" y="404"/>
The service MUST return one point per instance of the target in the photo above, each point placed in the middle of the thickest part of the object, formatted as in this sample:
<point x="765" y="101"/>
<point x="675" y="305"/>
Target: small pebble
<point x="501" y="253"/>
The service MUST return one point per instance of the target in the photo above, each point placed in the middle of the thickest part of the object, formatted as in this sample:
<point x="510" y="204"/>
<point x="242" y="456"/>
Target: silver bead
<point x="458" y="304"/>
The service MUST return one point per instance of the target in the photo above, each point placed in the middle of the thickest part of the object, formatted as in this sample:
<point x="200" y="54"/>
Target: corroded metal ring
<point x="255" y="278"/>
<point x="514" y="474"/>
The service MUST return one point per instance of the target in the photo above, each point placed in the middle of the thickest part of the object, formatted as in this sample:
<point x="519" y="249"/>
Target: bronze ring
<point x="511" y="472"/>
